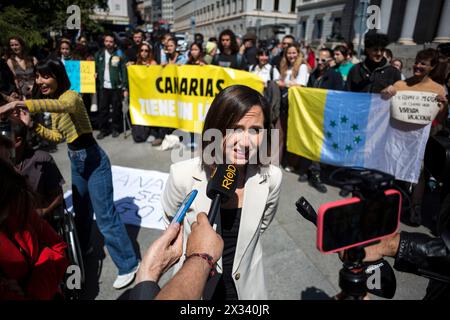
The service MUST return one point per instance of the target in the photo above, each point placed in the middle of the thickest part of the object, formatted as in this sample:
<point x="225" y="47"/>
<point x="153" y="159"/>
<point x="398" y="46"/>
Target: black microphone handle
<point x="214" y="209"/>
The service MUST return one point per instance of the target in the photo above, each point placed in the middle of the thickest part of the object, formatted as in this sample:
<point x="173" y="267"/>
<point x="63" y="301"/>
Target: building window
<point x="318" y="29"/>
<point x="302" y="30"/>
<point x="258" y="4"/>
<point x="276" y="5"/>
<point x="223" y="8"/>
<point x="293" y="5"/>
<point x="336" y="29"/>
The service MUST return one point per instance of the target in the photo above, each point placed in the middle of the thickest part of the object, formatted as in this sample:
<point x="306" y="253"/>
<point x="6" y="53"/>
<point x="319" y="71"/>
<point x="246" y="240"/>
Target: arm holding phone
<point x="414" y="253"/>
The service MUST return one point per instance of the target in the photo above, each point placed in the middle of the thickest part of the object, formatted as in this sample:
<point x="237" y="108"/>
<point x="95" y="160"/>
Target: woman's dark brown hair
<point x="230" y="106"/>
<point x="150" y="58"/>
<point x="192" y="60"/>
<point x="437" y="61"/>
<point x="25" y="55"/>
<point x="16" y="197"/>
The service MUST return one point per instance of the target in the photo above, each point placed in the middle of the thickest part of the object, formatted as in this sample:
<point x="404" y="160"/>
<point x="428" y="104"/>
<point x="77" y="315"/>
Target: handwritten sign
<point x="414" y="107"/>
<point x="137" y="196"/>
<point x="81" y="75"/>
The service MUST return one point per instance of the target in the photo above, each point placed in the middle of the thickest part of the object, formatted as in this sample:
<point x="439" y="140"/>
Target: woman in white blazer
<point x="242" y="219"/>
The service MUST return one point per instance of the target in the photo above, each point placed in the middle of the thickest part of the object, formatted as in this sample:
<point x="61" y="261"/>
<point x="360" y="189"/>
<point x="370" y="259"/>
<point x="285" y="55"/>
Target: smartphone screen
<point x="185" y="205"/>
<point x="351" y="222"/>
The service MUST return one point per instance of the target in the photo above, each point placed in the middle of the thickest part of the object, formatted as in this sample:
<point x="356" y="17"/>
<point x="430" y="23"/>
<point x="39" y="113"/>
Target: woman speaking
<point x="244" y="217"/>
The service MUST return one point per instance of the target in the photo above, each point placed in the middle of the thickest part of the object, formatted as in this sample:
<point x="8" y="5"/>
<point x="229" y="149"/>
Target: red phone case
<point x="324" y="208"/>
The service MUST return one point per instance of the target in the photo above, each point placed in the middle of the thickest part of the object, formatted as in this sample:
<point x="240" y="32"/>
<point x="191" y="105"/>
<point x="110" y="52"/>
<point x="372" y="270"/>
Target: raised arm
<point x="67" y="103"/>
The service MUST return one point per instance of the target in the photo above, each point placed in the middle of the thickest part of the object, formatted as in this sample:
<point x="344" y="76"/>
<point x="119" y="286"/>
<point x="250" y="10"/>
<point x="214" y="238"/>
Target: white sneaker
<point x="125" y="279"/>
<point x="151" y="138"/>
<point x="94" y="107"/>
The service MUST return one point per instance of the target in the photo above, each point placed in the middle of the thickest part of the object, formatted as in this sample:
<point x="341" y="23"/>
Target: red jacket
<point x="34" y="257"/>
<point x="311" y="60"/>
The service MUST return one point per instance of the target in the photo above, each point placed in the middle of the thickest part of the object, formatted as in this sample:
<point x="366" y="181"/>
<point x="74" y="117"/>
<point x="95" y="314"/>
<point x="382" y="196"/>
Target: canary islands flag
<point x="354" y="130"/>
<point x="81" y="75"/>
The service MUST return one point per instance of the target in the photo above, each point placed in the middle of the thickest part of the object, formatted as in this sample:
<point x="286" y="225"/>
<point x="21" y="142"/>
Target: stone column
<point x="386" y="8"/>
<point x="309" y="29"/>
<point x="409" y="22"/>
<point x="443" y="33"/>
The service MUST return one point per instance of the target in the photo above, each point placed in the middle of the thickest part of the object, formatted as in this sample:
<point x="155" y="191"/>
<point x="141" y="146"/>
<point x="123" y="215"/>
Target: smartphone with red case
<point x="353" y="222"/>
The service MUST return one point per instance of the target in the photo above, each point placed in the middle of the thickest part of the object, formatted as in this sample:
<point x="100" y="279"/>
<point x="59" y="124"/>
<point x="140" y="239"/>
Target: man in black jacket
<point x="375" y="73"/>
<point x="324" y="76"/>
<point x="422" y="255"/>
<point x="250" y="48"/>
<point x="132" y="52"/>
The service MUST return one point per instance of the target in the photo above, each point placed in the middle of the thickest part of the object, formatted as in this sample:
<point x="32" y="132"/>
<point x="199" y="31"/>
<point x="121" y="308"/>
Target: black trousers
<point x="107" y="98"/>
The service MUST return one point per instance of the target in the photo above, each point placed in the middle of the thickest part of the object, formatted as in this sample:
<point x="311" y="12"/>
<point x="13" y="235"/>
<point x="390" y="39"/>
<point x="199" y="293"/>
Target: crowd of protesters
<point x="26" y="79"/>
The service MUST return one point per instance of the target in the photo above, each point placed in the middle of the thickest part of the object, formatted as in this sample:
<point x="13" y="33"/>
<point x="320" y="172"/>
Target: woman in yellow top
<point x="92" y="187"/>
<point x="424" y="70"/>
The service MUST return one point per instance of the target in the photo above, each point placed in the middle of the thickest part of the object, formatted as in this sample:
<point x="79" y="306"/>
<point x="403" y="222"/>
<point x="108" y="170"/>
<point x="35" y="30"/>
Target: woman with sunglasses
<point x="145" y="55"/>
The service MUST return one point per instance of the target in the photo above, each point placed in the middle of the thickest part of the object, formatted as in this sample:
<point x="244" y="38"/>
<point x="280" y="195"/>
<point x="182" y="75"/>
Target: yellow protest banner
<point x="179" y="96"/>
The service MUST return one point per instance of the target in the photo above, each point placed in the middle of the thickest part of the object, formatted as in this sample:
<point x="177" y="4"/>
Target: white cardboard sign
<point x="414" y="107"/>
<point x="137" y="196"/>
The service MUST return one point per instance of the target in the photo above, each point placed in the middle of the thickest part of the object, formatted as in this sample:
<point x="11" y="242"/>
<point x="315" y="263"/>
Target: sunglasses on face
<point x="323" y="60"/>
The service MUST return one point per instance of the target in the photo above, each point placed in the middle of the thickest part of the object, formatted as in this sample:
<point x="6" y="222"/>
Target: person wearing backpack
<point x="270" y="75"/>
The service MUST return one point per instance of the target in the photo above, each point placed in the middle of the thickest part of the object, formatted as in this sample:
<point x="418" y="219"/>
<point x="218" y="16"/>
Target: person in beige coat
<point x="242" y="220"/>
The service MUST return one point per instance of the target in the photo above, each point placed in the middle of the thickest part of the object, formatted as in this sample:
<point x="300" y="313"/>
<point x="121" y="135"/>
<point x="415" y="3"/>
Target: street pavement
<point x="294" y="268"/>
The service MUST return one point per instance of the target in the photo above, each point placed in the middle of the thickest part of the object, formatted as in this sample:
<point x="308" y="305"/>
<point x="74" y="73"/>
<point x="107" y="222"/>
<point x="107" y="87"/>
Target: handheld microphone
<point x="221" y="188"/>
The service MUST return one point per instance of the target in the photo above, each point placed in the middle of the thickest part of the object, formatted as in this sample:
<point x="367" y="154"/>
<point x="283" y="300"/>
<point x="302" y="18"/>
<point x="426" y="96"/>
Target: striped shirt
<point x="69" y="117"/>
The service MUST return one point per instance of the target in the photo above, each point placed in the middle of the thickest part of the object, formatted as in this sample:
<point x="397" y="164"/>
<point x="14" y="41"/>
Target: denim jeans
<point x="92" y="191"/>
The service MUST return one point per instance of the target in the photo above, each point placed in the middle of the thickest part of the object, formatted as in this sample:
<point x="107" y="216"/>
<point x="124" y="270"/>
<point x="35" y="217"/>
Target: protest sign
<point x="414" y="107"/>
<point x="137" y="196"/>
<point x="81" y="75"/>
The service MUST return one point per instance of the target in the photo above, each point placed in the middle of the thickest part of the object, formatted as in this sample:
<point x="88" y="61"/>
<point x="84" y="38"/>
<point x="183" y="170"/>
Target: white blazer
<point x="261" y="194"/>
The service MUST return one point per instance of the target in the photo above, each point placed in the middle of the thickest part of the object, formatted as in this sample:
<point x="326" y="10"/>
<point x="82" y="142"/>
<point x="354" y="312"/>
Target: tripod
<point x="352" y="277"/>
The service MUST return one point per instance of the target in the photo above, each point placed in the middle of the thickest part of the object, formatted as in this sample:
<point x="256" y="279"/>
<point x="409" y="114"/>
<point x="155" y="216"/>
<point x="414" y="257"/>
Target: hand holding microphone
<point x="221" y="188"/>
<point x="203" y="239"/>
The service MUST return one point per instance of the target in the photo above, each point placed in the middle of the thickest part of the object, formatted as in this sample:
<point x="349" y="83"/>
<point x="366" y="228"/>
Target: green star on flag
<point x="329" y="135"/>
<point x="348" y="148"/>
<point x="333" y="124"/>
<point x="357" y="139"/>
<point x="335" y="146"/>
<point x="355" y="127"/>
<point x="344" y="119"/>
